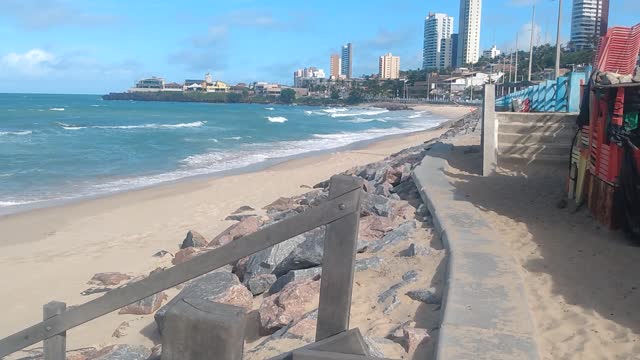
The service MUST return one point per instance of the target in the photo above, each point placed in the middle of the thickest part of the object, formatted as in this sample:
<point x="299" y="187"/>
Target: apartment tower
<point x="347" y="60"/>
<point x="389" y="66"/>
<point x="335" y="62"/>
<point x="589" y="21"/>
<point x="437" y="48"/>
<point x="469" y="32"/>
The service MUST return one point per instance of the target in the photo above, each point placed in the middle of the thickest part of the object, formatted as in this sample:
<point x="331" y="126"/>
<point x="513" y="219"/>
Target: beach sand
<point x="50" y="254"/>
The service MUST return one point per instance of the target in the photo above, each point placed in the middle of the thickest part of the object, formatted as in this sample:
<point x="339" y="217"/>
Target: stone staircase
<point x="540" y="137"/>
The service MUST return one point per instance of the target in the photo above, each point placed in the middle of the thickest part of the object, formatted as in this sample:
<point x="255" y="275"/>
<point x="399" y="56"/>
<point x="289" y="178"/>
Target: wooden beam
<point x="55" y="348"/>
<point x="340" y="245"/>
<point x="343" y="341"/>
<point x="340" y="206"/>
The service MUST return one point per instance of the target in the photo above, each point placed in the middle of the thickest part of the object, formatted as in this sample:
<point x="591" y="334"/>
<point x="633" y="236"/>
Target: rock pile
<point x="283" y="282"/>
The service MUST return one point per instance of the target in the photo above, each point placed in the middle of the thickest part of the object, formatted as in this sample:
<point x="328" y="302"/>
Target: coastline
<point x="52" y="252"/>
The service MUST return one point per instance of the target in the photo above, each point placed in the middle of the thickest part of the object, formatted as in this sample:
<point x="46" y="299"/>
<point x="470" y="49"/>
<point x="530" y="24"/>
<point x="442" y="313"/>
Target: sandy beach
<point x="50" y="254"/>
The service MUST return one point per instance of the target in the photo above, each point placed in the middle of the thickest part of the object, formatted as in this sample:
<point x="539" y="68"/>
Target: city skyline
<point x="71" y="46"/>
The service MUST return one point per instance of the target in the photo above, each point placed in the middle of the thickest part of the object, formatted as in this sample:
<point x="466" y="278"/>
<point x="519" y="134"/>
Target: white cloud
<point x="46" y="14"/>
<point x="33" y="63"/>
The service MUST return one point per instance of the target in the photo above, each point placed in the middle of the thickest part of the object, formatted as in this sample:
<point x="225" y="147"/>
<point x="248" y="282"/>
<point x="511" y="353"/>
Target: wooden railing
<point x="341" y="215"/>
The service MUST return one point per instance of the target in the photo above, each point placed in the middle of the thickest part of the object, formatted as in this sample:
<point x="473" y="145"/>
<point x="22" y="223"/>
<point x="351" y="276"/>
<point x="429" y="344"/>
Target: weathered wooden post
<point x="199" y="329"/>
<point x="338" y="262"/>
<point x="55" y="347"/>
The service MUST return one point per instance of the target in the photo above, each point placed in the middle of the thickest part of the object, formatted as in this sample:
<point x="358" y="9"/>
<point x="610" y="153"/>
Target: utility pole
<point x="533" y="16"/>
<point x="558" y="39"/>
<point x="515" y="78"/>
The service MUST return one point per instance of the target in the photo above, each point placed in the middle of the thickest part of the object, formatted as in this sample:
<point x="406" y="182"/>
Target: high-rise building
<point x="347" y="60"/>
<point x="301" y="75"/>
<point x="454" y="51"/>
<point x="335" y="63"/>
<point x="491" y="53"/>
<point x="469" y="32"/>
<point x="438" y="28"/>
<point x="389" y="66"/>
<point x="589" y="21"/>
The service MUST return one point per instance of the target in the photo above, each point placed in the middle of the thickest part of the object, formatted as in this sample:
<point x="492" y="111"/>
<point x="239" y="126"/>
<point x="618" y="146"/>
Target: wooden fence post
<point x="55" y="347"/>
<point x="338" y="262"/>
<point x="199" y="329"/>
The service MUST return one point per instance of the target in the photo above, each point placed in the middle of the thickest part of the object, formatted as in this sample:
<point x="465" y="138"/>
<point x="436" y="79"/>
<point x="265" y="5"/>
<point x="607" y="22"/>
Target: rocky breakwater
<point x="397" y="286"/>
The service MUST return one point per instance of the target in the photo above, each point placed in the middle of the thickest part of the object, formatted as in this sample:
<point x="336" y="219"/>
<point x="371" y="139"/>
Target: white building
<point x="438" y="28"/>
<point x="300" y="75"/>
<point x="492" y="53"/>
<point x="469" y="31"/>
<point x="389" y="66"/>
<point x="589" y="21"/>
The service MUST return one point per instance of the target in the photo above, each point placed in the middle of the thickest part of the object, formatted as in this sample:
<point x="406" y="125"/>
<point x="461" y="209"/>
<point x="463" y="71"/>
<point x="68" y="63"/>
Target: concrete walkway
<point x="486" y="315"/>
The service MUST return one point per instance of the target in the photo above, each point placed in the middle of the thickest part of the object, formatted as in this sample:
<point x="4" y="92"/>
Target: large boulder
<point x="280" y="205"/>
<point x="123" y="352"/>
<point x="265" y="261"/>
<point x="246" y="226"/>
<point x="305" y="255"/>
<point x="145" y="306"/>
<point x="185" y="255"/>
<point x="290" y="304"/>
<point x="109" y="278"/>
<point x="374" y="227"/>
<point x="261" y="283"/>
<point x="399" y="234"/>
<point x="294" y="275"/>
<point x="219" y="286"/>
<point x="375" y="205"/>
<point x="193" y="239"/>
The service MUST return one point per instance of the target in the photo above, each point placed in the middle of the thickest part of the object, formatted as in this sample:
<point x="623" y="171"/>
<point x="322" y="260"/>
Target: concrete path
<point x="485" y="315"/>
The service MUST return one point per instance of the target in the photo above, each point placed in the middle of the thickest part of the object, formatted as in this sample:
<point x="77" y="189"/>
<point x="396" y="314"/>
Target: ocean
<point x="64" y="147"/>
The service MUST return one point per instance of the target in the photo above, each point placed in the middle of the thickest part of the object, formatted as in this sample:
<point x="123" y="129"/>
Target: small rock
<point x="156" y="352"/>
<point x="145" y="306"/>
<point x="242" y="209"/>
<point x="383" y="189"/>
<point x="305" y="186"/>
<point x="381" y="173"/>
<point x="244" y="227"/>
<point x="401" y="233"/>
<point x="121" y="330"/>
<point x="368" y="186"/>
<point x="395" y="197"/>
<point x="239" y="217"/>
<point x="162" y="253"/>
<point x="281" y="204"/>
<point x="193" y="239"/>
<point x="375" y="204"/>
<point x="261" y="283"/>
<point x="294" y="275"/>
<point x="291" y="303"/>
<point x="95" y="290"/>
<point x="374" y="227"/>
<point x="414" y="250"/>
<point x="394" y="303"/>
<point x="185" y="255"/>
<point x="123" y="352"/>
<point x="405" y="172"/>
<point x="279" y="216"/>
<point x="109" y="278"/>
<point x="265" y="261"/>
<point x="413" y="338"/>
<point x="427" y="296"/>
<point x="410" y="276"/>
<point x="367" y="263"/>
<point x="304" y="328"/>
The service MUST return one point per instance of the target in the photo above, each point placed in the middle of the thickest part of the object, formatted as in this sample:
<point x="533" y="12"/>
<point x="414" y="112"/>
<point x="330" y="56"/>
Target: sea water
<point x="65" y="147"/>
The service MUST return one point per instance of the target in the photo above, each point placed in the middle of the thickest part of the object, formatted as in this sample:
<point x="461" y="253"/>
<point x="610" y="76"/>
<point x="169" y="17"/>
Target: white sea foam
<point x="362" y="120"/>
<point x="334" y="110"/>
<point x="129" y="127"/>
<point x="363" y="112"/>
<point x="233" y="138"/>
<point x="269" y="108"/>
<point x="416" y="115"/>
<point x="276" y="119"/>
<point x="25" y="132"/>
<point x="56" y="109"/>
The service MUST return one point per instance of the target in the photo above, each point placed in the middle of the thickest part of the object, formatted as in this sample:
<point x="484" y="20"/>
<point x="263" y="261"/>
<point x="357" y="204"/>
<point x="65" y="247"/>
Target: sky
<point x="96" y="47"/>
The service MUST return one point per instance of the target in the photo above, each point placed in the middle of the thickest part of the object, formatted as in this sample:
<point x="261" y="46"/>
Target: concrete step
<point x="529" y="128"/>
<point x="537" y="118"/>
<point x="559" y="159"/>
<point x="509" y="149"/>
<point x="561" y="136"/>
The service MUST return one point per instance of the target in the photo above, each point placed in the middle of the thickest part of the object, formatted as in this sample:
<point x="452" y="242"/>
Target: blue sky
<point x="73" y="46"/>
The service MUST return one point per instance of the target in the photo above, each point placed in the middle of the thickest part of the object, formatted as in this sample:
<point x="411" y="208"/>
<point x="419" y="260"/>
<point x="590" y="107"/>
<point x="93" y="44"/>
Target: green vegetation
<point x="287" y="96"/>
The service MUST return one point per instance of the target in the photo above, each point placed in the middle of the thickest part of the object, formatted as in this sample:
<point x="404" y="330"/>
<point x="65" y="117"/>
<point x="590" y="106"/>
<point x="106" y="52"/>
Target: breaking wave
<point x="276" y="119"/>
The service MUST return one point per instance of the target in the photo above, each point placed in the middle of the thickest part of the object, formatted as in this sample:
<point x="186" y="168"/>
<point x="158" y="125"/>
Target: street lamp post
<point x="533" y="15"/>
<point x="558" y="39"/>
